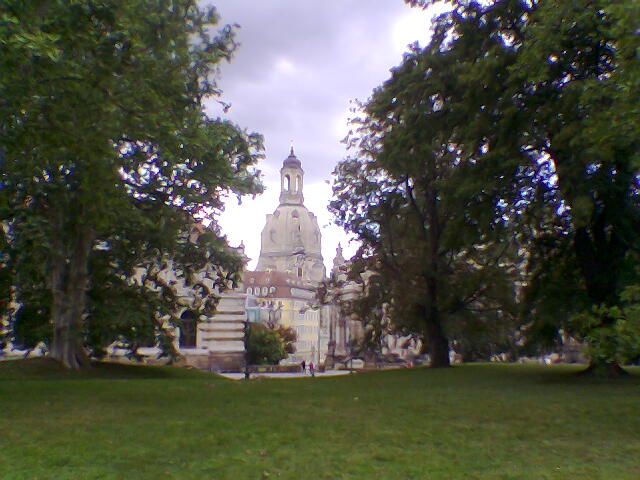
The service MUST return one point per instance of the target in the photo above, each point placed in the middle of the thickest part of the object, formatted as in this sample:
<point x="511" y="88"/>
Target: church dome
<point x="292" y="161"/>
<point x="292" y="229"/>
<point x="291" y="238"/>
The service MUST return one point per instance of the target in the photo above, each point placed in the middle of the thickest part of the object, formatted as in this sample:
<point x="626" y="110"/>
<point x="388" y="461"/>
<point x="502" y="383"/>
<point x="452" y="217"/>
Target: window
<point x="287" y="183"/>
<point x="265" y="290"/>
<point x="188" y="329"/>
<point x="249" y="290"/>
<point x="300" y="272"/>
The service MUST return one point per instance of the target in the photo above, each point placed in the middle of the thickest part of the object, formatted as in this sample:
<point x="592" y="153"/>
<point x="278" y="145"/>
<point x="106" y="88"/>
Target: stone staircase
<point x="223" y="334"/>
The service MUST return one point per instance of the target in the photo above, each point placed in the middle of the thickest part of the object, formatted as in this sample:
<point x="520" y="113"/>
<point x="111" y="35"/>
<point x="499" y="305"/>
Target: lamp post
<point x="246" y="348"/>
<point x="320" y="322"/>
<point x="351" y="356"/>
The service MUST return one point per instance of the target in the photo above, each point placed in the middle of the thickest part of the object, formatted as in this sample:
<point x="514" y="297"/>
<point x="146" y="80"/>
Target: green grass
<point x="469" y="422"/>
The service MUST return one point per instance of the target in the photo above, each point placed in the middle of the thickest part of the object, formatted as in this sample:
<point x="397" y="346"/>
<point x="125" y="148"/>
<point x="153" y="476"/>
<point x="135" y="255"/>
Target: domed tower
<point x="291" y="177"/>
<point x="291" y="239"/>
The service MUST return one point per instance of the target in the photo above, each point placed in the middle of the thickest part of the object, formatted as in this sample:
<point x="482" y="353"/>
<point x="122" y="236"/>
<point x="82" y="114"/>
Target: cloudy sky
<point x="299" y="65"/>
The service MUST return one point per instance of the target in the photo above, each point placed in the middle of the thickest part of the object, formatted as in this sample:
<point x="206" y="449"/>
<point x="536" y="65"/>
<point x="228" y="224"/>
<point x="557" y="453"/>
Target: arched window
<point x="188" y="328"/>
<point x="300" y="272"/>
<point x="272" y="289"/>
<point x="295" y="214"/>
<point x="249" y="290"/>
<point x="287" y="183"/>
<point x="265" y="290"/>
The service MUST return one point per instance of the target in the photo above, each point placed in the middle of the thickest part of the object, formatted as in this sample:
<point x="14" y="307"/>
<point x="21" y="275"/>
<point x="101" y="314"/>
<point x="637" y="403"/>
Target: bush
<point x="265" y="345"/>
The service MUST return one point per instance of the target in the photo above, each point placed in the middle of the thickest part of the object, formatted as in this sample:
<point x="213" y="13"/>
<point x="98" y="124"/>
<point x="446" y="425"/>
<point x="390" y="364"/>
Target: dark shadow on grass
<point x="49" y="369"/>
<point x="532" y="374"/>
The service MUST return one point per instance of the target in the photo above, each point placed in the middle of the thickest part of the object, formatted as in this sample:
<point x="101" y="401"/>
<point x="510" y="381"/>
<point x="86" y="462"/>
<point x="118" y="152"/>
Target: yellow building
<point x="291" y="267"/>
<point x="289" y="301"/>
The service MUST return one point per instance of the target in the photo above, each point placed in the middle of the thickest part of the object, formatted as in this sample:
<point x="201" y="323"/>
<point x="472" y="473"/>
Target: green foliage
<point x="288" y="337"/>
<point x="124" y="313"/>
<point x="30" y="326"/>
<point x="578" y="71"/>
<point x="107" y="161"/>
<point x="478" y="338"/>
<point x="265" y="346"/>
<point x="612" y="333"/>
<point x="517" y="127"/>
<point x="430" y="217"/>
<point x="369" y="307"/>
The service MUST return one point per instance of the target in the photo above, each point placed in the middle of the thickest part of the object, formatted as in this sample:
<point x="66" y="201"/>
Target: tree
<point x="288" y="337"/>
<point x="107" y="161"/>
<point x="431" y="257"/>
<point x="619" y="339"/>
<point x="431" y="221"/>
<point x="543" y="101"/>
<point x="265" y="346"/>
<point x="589" y="126"/>
<point x="369" y="307"/>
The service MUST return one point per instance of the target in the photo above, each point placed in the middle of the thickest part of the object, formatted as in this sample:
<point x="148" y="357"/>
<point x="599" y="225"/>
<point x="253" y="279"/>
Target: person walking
<point x="312" y="369"/>
<point x="303" y="365"/>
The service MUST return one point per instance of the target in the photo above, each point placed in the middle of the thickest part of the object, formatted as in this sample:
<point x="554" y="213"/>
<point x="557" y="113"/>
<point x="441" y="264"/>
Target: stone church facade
<point x="281" y="291"/>
<point x="291" y="239"/>
<point x="290" y="267"/>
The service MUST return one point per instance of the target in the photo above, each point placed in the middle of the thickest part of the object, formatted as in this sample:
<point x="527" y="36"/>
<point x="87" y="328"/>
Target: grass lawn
<point x="468" y="422"/>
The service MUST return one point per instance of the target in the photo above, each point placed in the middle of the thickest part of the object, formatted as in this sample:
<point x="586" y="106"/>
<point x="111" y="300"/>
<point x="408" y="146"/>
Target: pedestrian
<point x="303" y="365"/>
<point x="312" y="369"/>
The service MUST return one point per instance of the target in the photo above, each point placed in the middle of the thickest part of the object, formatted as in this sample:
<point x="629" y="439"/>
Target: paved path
<point x="330" y="373"/>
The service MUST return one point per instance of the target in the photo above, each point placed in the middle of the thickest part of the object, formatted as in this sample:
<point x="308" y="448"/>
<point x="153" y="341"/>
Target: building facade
<point x="283" y="290"/>
<point x="290" y="267"/>
<point x="291" y="241"/>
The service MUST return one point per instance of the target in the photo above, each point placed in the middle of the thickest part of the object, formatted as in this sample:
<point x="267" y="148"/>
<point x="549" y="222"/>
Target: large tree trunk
<point x="600" y="256"/>
<point x="435" y="339"/>
<point x="69" y="282"/>
<point x="438" y="344"/>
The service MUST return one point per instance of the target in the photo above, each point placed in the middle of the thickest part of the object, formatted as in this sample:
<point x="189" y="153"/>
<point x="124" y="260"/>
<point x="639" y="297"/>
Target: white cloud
<point x="285" y="66"/>
<point x="415" y="26"/>
<point x="244" y="223"/>
<point x="409" y="28"/>
<point x="299" y="65"/>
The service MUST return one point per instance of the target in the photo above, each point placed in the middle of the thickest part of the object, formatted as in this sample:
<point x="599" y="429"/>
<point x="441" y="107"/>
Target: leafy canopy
<point x="513" y="135"/>
<point x="107" y="160"/>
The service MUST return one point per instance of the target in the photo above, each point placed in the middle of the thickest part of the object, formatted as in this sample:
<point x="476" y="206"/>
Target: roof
<point x="292" y="160"/>
<point x="275" y="278"/>
<point x="280" y="284"/>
